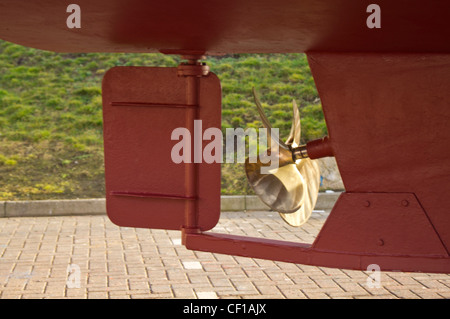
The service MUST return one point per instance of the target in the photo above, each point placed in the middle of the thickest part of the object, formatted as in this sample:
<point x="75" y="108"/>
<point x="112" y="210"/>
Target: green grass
<point x="51" y="143"/>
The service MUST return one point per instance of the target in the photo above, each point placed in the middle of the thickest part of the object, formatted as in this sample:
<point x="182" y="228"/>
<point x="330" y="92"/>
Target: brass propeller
<point x="292" y="189"/>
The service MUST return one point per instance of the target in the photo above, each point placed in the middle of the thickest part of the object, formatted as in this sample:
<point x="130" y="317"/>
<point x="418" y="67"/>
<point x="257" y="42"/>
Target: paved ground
<point x="106" y="261"/>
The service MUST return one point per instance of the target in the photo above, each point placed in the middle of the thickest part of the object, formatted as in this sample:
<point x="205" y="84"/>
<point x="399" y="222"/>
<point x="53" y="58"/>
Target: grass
<point x="51" y="143"/>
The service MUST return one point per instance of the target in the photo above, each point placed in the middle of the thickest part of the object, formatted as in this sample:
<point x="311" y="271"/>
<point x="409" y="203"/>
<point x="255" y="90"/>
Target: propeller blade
<point x="310" y="171"/>
<point x="266" y="122"/>
<point x="294" y="136"/>
<point x="293" y="188"/>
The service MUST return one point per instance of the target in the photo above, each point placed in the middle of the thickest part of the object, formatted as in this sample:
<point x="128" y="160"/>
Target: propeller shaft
<point x="315" y="149"/>
<point x="300" y="152"/>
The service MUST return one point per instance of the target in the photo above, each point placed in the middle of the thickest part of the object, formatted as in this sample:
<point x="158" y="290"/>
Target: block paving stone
<point x="36" y="254"/>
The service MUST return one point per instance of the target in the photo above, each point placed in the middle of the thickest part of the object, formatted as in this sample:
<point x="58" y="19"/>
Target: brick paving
<point x="89" y="257"/>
